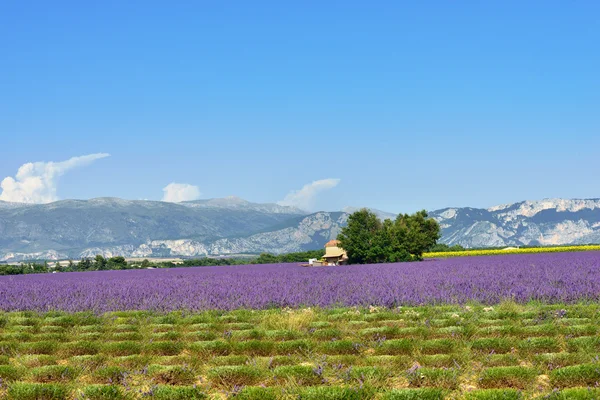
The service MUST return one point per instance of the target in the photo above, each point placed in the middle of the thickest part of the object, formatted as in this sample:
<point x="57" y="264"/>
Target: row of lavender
<point x="565" y="277"/>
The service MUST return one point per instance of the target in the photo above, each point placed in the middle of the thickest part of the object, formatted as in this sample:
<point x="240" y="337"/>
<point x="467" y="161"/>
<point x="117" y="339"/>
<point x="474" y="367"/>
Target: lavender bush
<point x="559" y="277"/>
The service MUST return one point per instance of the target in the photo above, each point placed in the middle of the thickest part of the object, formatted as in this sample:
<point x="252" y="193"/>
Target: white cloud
<point x="178" y="192"/>
<point x="305" y="197"/>
<point x="36" y="182"/>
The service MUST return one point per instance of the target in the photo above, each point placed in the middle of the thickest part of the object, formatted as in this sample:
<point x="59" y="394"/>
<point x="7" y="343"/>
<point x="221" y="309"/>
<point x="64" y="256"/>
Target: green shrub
<point x="44" y="347"/>
<point x="576" y="375"/>
<point x="89" y="336"/>
<point x="66" y="321"/>
<point x="341" y="347"/>
<point x="211" y="348"/>
<point x="494" y="394"/>
<point x="294" y="346"/>
<point x="24" y="321"/>
<point x="121" y="348"/>
<point x="539" y="330"/>
<point x="245" y="334"/>
<point x="507" y="377"/>
<point x="87" y="319"/>
<point x="414" y="394"/>
<point x="254" y="347"/>
<point x="104" y="392"/>
<point x="436" y="346"/>
<point x="319" y="324"/>
<point x="539" y="345"/>
<point x="164" y="348"/>
<point x="52" y="329"/>
<point x="411" y="332"/>
<point x="496" y="345"/>
<point x="302" y="374"/>
<point x="282" y="334"/>
<point x="125" y="336"/>
<point x="37" y="391"/>
<point x="4" y="360"/>
<point x="7" y="348"/>
<point x="169" y="319"/>
<point x="574" y="394"/>
<point x="125" y="328"/>
<point x="53" y="373"/>
<point x="581" y="330"/>
<point x="202" y="335"/>
<point x="82" y="348"/>
<point x="230" y="360"/>
<point x="237" y="375"/>
<point x="327" y="334"/>
<point x="90" y="329"/>
<point x="239" y="326"/>
<point x="8" y="373"/>
<point x="19" y="337"/>
<point x="550" y="361"/>
<point x="396" y="347"/>
<point x="452" y="331"/>
<point x="177" y="393"/>
<point x="584" y="343"/>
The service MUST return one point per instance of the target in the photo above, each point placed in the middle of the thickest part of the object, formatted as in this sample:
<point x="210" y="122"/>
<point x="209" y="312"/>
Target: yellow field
<point x="493" y="252"/>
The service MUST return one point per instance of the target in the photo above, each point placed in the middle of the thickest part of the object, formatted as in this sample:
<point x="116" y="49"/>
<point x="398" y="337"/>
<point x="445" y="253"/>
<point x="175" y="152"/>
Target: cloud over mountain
<point x="37" y="182"/>
<point x="305" y="197"/>
<point x="178" y="192"/>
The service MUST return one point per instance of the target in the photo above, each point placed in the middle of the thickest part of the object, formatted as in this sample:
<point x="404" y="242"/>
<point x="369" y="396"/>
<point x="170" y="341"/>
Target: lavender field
<point x="551" y="278"/>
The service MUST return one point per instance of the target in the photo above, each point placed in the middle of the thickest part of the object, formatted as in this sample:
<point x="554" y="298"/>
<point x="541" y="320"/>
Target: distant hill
<point x="542" y="222"/>
<point x="110" y="226"/>
<point x="71" y="228"/>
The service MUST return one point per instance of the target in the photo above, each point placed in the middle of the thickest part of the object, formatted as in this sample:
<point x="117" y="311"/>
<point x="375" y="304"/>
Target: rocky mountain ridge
<point x="108" y="226"/>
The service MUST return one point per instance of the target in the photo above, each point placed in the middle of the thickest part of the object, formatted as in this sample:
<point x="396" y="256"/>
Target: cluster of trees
<point x="100" y="263"/>
<point x="303" y="256"/>
<point x="444" y="248"/>
<point x="367" y="239"/>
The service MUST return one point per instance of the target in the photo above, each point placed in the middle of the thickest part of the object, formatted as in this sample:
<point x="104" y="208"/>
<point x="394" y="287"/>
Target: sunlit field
<point x="513" y="327"/>
<point x="526" y="250"/>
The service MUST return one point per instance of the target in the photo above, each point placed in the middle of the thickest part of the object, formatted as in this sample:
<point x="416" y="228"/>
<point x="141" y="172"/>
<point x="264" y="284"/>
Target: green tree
<point x="99" y="263"/>
<point x="368" y="240"/>
<point x="84" y="265"/>
<point x="363" y="238"/>
<point x="266" y="258"/>
<point x="117" y="262"/>
<point x="443" y="247"/>
<point x="416" y="233"/>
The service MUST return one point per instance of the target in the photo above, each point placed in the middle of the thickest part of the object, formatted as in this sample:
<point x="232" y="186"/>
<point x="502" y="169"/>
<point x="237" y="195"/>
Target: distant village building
<point x="334" y="254"/>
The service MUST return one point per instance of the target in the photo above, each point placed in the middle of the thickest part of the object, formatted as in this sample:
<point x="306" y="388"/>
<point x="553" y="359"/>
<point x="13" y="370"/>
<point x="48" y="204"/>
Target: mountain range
<point x="227" y="226"/>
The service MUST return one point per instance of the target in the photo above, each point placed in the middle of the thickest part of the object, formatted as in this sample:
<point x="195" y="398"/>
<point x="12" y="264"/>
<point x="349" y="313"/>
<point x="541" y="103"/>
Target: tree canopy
<point x="367" y="239"/>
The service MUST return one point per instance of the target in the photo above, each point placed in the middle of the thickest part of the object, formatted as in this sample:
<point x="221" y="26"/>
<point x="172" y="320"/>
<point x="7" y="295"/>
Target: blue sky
<point x="409" y="104"/>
